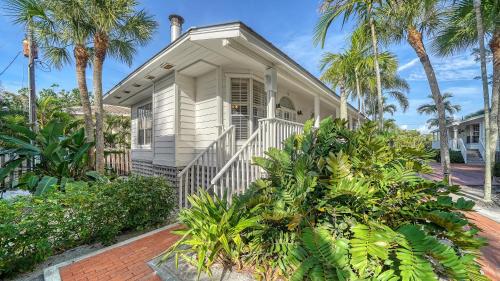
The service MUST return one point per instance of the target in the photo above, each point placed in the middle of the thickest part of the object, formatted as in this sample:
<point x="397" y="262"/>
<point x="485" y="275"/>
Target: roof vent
<point x="176" y="22"/>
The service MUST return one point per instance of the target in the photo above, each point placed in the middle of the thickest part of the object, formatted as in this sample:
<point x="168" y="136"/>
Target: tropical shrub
<point x="349" y="205"/>
<point x="58" y="156"/>
<point x="213" y="231"/>
<point x="34" y="227"/>
<point x="496" y="170"/>
<point x="455" y="156"/>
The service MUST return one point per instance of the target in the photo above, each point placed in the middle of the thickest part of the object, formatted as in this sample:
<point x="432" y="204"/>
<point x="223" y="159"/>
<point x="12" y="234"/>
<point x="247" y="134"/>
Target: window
<point x="247" y="93"/>
<point x="286" y="110"/>
<point x="145" y="125"/>
<point x="240" y="87"/>
<point x="259" y="105"/>
<point x="475" y="133"/>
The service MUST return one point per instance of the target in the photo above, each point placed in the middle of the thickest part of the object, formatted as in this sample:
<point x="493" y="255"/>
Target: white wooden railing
<point x="463" y="149"/>
<point x="235" y="177"/>
<point x="205" y="166"/>
<point x="482" y="150"/>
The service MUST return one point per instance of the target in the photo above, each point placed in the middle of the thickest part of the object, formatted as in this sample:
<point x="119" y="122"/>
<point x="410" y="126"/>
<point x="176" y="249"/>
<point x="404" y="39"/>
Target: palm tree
<point x="410" y="21"/>
<point x="432" y="109"/>
<point x="466" y="26"/>
<point x="340" y="68"/>
<point x="117" y="29"/>
<point x="71" y="30"/>
<point x="363" y="10"/>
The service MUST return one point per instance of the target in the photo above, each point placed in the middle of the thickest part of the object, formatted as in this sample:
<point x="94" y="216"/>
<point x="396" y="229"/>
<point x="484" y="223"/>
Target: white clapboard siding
<point x="206" y="109"/>
<point x="185" y="136"/>
<point x="164" y="121"/>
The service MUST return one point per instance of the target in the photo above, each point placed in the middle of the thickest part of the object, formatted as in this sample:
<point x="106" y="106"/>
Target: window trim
<point x="251" y="77"/>
<point x="146" y="147"/>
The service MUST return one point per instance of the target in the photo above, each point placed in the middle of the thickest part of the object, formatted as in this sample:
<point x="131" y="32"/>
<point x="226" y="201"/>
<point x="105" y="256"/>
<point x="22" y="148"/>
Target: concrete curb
<point x="52" y="273"/>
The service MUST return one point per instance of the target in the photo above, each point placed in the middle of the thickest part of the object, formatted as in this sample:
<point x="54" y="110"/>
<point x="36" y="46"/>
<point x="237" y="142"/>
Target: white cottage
<point x="213" y="98"/>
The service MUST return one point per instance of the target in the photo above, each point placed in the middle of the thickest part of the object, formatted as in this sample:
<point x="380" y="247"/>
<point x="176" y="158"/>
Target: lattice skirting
<point x="147" y="168"/>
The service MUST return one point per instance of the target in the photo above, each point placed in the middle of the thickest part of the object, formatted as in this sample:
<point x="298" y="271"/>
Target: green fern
<point x="420" y="246"/>
<point x="369" y="242"/>
<point x="321" y="257"/>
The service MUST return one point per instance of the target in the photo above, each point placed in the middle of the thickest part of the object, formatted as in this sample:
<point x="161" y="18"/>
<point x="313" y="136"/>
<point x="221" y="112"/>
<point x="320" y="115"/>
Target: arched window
<point x="286" y="110"/>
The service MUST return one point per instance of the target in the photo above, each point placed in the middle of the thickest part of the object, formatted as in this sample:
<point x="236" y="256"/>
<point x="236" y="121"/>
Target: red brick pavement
<point x="462" y="174"/>
<point x="128" y="262"/>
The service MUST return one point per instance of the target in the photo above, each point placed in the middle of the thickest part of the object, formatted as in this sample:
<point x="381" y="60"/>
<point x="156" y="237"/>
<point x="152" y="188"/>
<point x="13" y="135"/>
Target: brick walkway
<point x="128" y="262"/>
<point x="462" y="174"/>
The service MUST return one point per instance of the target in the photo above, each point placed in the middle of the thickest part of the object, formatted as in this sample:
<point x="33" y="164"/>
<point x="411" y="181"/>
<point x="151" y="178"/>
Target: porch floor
<point x="128" y="262"/>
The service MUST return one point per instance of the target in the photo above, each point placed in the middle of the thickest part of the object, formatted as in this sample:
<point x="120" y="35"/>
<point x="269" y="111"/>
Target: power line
<point x="11" y="62"/>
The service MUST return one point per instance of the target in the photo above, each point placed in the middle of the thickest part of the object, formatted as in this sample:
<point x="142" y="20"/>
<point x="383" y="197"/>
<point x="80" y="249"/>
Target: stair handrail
<point x="482" y="150"/>
<point x="214" y="146"/>
<point x="463" y="149"/>
<point x="251" y="148"/>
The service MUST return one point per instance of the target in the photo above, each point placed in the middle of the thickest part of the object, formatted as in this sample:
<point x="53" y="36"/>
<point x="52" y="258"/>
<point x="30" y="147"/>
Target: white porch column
<point x="220" y="102"/>
<point x="316" y="111"/>
<point x="271" y="77"/>
<point x="455" y="137"/>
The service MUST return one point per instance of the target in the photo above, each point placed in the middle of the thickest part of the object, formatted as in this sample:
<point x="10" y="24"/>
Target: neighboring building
<point x="197" y="104"/>
<point x="466" y="136"/>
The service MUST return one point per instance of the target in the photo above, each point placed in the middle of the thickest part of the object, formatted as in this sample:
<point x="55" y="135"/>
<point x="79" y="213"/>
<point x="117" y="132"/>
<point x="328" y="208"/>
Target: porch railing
<point x="235" y="177"/>
<point x="463" y="149"/>
<point x="482" y="150"/>
<point x="199" y="172"/>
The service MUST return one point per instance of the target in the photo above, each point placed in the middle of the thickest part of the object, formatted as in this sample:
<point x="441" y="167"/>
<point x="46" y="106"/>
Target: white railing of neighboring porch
<point x="463" y="149"/>
<point x="481" y="149"/>
<point x="235" y="177"/>
<point x="205" y="166"/>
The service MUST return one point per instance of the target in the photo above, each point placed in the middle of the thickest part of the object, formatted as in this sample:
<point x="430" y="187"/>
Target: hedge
<point x="455" y="156"/>
<point x="33" y="228"/>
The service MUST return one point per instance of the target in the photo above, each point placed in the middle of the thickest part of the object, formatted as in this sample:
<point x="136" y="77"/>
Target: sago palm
<point x="467" y="25"/>
<point x="362" y="10"/>
<point x="411" y="21"/>
<point x="117" y="28"/>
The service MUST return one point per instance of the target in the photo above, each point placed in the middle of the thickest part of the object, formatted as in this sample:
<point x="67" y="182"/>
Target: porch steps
<point x="474" y="157"/>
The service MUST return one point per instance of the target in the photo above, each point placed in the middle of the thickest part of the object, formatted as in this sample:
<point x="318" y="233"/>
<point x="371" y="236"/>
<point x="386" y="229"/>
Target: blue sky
<point x="287" y="24"/>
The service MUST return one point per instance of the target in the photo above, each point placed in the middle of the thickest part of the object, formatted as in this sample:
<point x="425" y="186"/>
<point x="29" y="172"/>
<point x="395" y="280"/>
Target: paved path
<point x="462" y="174"/>
<point x="127" y="262"/>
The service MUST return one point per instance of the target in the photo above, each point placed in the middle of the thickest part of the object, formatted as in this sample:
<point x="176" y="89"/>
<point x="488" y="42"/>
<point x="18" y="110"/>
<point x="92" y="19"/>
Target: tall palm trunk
<point x="380" y="101"/>
<point x="100" y="46"/>
<point x="343" y="101"/>
<point x="358" y="94"/>
<point x="495" y="97"/>
<point x="486" y="99"/>
<point x="82" y="58"/>
<point x="416" y="42"/>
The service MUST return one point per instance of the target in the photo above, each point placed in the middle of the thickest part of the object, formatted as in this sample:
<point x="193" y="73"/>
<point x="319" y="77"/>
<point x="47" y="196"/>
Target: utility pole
<point x="30" y="51"/>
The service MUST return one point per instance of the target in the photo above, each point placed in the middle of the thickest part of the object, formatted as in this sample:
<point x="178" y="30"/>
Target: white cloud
<point x="423" y="129"/>
<point x="408" y="64"/>
<point x="467" y="91"/>
<point x="462" y="67"/>
<point x="404" y="127"/>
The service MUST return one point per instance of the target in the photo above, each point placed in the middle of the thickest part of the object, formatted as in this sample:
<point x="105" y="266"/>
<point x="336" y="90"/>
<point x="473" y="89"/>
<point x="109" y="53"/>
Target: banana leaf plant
<point x="57" y="155"/>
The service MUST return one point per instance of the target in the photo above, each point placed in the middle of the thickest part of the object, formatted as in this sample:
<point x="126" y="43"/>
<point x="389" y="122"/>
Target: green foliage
<point x="34" y="227"/>
<point x="455" y="156"/>
<point x="58" y="155"/>
<point x="338" y="204"/>
<point x="213" y="233"/>
<point x="496" y="170"/>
